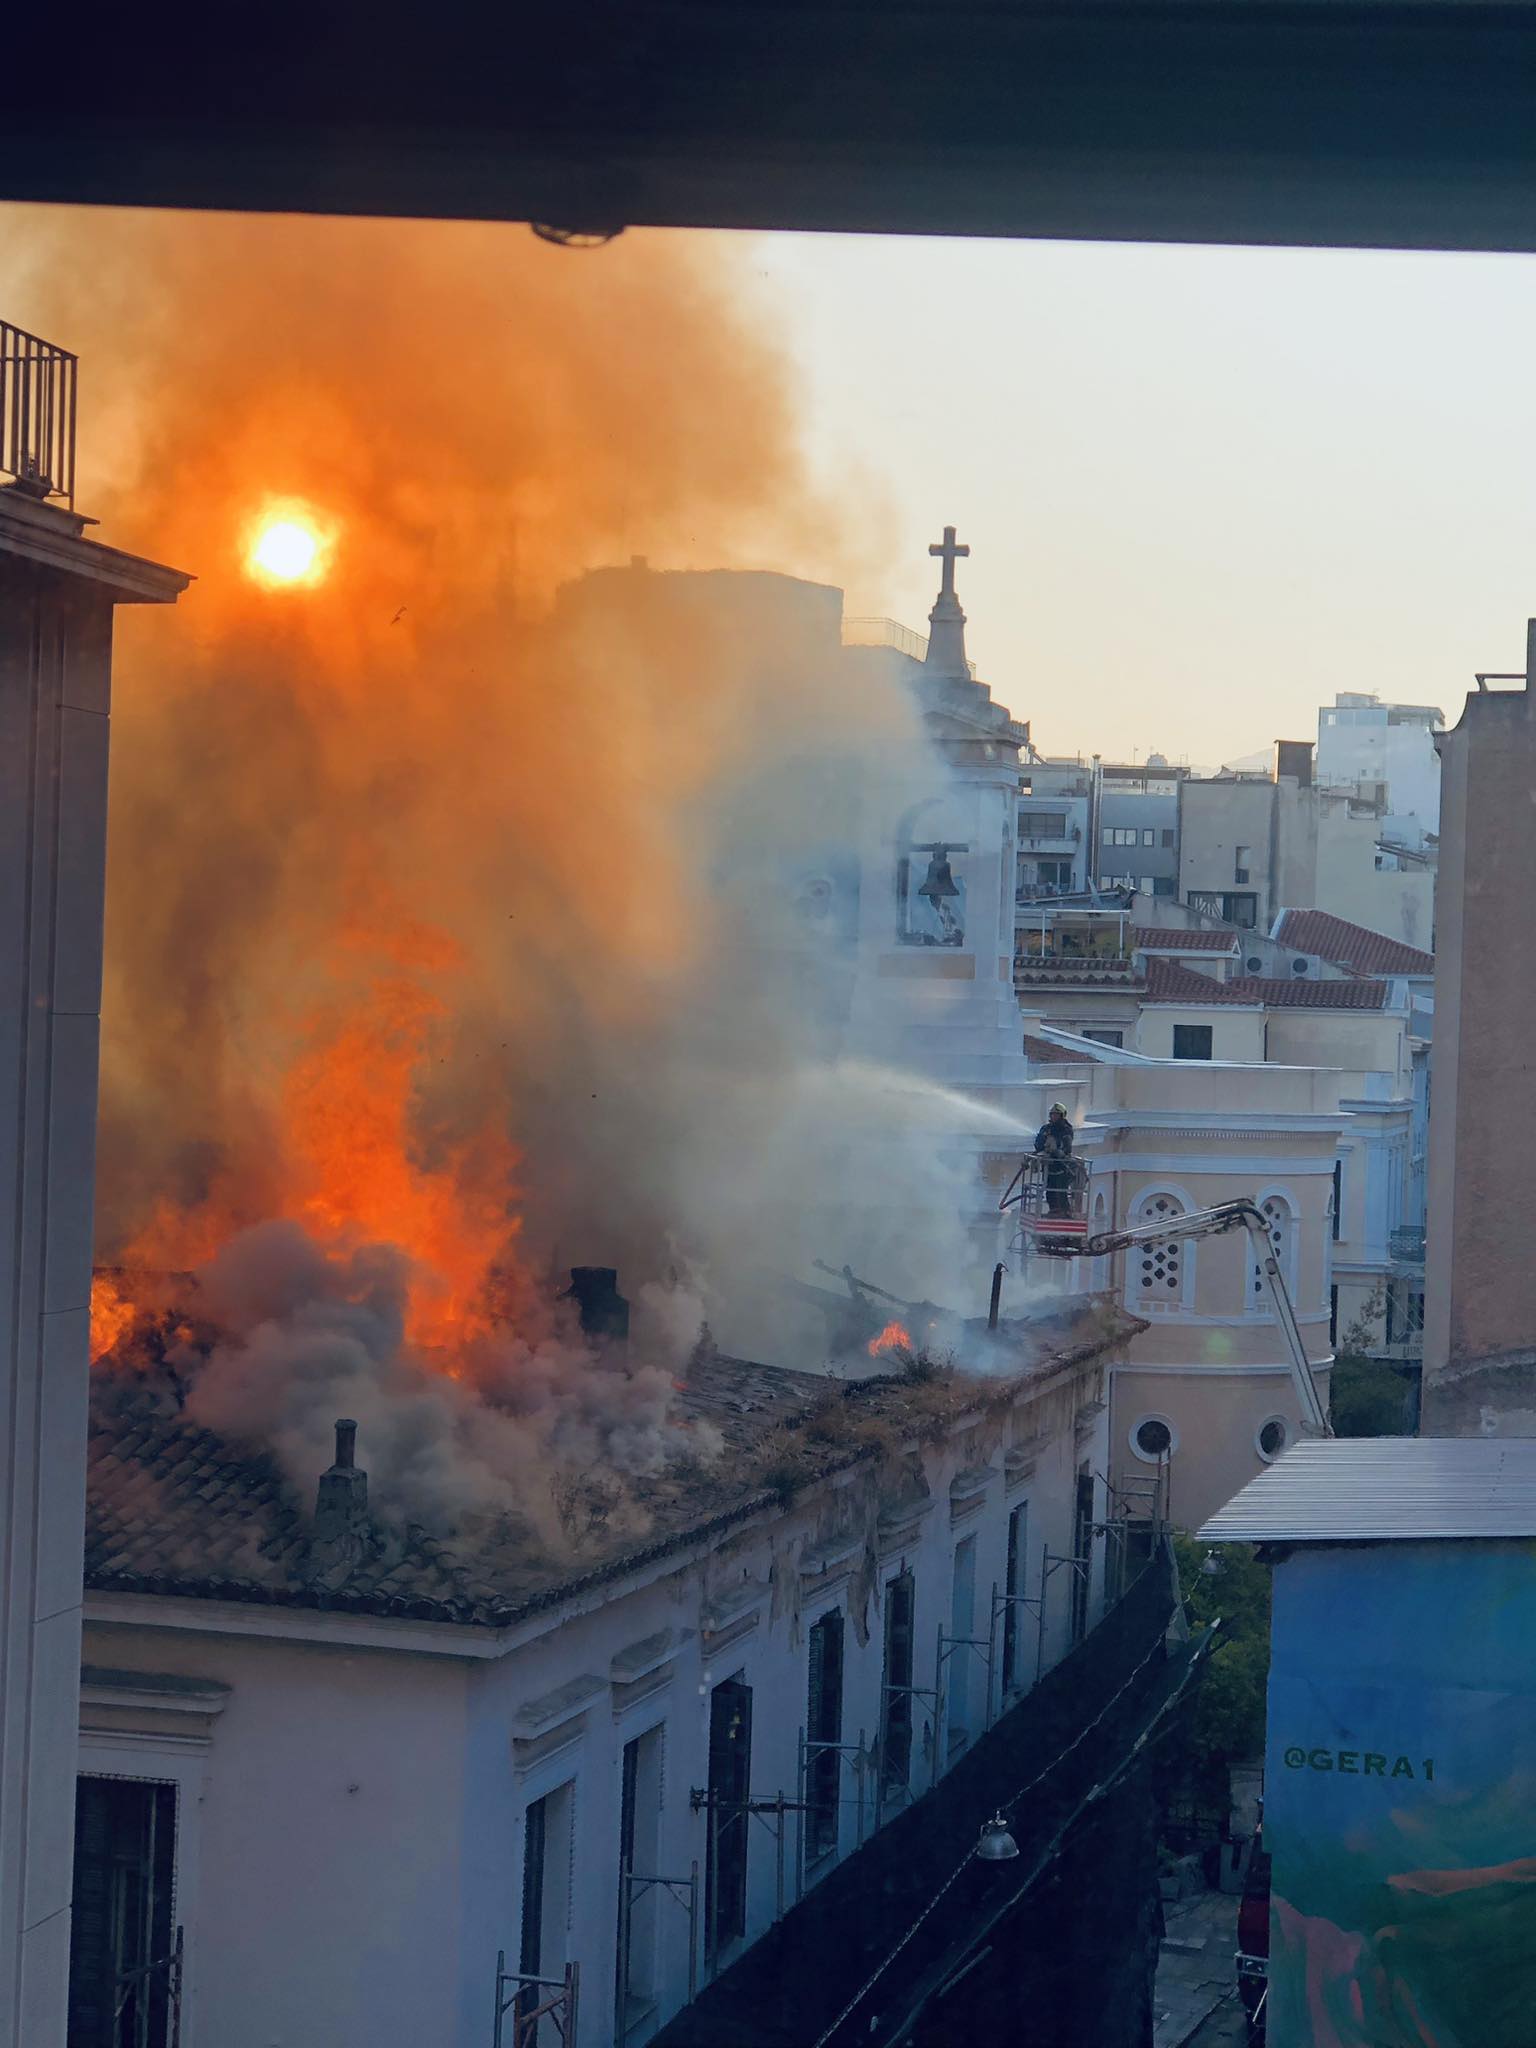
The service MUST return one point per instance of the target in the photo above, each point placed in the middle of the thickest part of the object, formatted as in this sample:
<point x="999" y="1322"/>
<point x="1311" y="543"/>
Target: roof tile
<point x="1354" y="946"/>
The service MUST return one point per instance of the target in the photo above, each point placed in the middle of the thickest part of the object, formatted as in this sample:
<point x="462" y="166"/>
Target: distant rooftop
<point x="1155" y="938"/>
<point x="1352" y="946"/>
<point x="1281" y="993"/>
<point x="1386" y="1490"/>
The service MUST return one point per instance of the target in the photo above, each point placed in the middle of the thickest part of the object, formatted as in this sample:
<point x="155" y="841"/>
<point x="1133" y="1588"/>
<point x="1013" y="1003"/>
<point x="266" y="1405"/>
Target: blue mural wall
<point x="1400" y="1797"/>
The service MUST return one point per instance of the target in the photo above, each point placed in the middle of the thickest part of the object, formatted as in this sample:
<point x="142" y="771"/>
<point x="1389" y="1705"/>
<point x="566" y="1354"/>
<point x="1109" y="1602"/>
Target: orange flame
<point x="292" y="426"/>
<point x="112" y="1315"/>
<point x="892" y="1338"/>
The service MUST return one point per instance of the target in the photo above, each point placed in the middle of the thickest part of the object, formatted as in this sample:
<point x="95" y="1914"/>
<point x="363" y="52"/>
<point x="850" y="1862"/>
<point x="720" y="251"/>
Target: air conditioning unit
<point x="1253" y="964"/>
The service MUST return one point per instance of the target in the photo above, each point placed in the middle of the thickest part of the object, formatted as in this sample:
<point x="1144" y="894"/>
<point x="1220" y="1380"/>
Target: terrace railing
<point x="37" y="414"/>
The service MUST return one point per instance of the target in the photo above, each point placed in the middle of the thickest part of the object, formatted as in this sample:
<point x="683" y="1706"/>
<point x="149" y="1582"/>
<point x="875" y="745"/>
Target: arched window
<point x="1156" y="1278"/>
<point x="1281" y="1220"/>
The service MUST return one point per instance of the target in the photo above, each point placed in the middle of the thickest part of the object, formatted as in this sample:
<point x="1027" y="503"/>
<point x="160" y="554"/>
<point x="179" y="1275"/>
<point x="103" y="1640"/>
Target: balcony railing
<point x="37" y="414"/>
<point x="1406" y="1244"/>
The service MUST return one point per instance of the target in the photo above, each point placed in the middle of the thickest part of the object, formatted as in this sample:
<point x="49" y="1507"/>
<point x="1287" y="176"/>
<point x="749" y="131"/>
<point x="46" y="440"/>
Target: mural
<point x="1400" y="1798"/>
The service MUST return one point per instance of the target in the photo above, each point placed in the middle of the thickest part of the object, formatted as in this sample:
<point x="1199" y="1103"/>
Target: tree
<point x="1228" y="1723"/>
<point x="1366" y="1396"/>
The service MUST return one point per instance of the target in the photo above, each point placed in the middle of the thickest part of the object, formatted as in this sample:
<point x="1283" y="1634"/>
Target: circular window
<point x="1271" y="1438"/>
<point x="1153" y="1438"/>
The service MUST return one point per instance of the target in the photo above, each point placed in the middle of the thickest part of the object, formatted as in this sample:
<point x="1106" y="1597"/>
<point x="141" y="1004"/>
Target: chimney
<point x="341" y="1501"/>
<point x="1294" y="758"/>
<point x="603" y="1310"/>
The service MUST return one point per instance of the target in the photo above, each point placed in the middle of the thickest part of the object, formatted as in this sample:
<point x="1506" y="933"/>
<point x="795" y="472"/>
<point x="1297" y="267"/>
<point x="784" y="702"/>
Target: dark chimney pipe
<point x="602" y="1309"/>
<point x="997" y="1295"/>
<point x="341" y="1500"/>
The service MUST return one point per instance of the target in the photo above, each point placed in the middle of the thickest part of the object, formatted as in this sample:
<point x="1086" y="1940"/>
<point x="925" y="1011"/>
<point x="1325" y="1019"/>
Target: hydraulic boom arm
<point x="1215" y="1223"/>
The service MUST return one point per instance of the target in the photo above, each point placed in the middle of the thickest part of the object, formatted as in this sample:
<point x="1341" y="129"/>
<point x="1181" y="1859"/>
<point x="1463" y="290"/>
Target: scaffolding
<point x="532" y="2000"/>
<point x="862" y="1758"/>
<point x="770" y="1813"/>
<point x="634" y="1885"/>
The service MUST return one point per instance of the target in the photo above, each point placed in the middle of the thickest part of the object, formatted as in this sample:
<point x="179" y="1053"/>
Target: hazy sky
<point x="1205" y="488"/>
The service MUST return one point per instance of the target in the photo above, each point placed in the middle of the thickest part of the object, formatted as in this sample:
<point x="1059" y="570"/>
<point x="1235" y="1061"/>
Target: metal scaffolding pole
<point x="560" y="2008"/>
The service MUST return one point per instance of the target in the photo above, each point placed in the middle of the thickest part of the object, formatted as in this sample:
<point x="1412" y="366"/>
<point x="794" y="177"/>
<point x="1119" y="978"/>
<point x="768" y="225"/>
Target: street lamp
<point x="995" y="1844"/>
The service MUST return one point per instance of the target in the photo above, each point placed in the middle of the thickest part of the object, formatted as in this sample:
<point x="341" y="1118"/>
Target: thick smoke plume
<point x="451" y="929"/>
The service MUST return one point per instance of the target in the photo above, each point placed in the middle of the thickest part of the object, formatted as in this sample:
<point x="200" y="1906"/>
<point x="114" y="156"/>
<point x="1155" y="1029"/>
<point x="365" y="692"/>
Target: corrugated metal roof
<point x="1386" y="1489"/>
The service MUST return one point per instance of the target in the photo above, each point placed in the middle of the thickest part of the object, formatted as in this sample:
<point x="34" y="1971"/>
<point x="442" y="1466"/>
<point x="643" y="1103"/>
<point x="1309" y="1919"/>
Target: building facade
<point x="1361" y="739"/>
<point x="58" y="593"/>
<point x="629" y="1766"/>
<point x="1479" y="1354"/>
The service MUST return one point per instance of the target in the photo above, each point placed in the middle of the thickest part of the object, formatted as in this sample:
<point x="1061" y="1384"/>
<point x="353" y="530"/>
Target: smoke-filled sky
<point x="454" y="927"/>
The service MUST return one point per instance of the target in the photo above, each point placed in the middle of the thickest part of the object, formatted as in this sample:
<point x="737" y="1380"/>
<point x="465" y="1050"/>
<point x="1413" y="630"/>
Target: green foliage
<point x="1365" y="1396"/>
<point x="1228" y="1724"/>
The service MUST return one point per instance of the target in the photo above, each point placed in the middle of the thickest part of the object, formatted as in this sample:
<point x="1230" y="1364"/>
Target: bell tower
<point x="935" y="973"/>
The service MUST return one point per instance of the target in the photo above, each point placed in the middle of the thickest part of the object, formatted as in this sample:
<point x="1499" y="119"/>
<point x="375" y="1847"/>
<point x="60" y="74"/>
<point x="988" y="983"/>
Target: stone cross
<point x="947" y="550"/>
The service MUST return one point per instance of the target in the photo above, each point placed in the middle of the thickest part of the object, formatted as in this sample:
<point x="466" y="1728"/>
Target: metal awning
<point x="1386" y="1489"/>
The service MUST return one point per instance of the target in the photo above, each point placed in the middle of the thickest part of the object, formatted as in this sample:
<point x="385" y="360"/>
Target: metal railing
<point x="37" y="414"/>
<point x="1406" y="1244"/>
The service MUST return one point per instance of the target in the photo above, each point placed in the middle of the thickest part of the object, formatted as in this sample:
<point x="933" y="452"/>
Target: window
<point x="1159" y="1281"/>
<point x="1165" y="885"/>
<point x="1271" y="1438"/>
<point x="1146" y="885"/>
<point x="1242" y="863"/>
<point x="1042" y="824"/>
<point x="1013" y="1585"/>
<point x="1277" y="1213"/>
<point x="1191" y="1041"/>
<point x="1405" y="1313"/>
<point x="896" y="1687"/>
<point x="1104" y="1036"/>
<point x="824" y="1724"/>
<point x="639" y="1854"/>
<point x="1148" y="836"/>
<point x="730" y="1775"/>
<point x="547" y="1829"/>
<point x="1154" y="1438"/>
<point x="962" y="1626"/>
<point x="1167" y="838"/>
<point x="1338" y="1199"/>
<point x="121" y="1936"/>
<point x="1120" y="835"/>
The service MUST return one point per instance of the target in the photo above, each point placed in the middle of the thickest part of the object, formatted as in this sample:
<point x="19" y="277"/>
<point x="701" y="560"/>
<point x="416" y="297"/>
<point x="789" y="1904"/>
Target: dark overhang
<point x="1396" y="122"/>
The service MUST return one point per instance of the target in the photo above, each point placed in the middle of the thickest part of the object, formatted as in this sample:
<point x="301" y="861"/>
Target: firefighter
<point x="1054" y="1139"/>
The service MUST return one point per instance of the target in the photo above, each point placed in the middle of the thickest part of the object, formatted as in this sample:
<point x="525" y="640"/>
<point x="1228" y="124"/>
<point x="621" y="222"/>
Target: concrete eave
<point x="55" y="538"/>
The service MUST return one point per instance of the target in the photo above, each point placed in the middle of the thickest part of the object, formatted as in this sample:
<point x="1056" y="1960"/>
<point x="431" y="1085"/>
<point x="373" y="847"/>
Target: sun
<point x="291" y="549"/>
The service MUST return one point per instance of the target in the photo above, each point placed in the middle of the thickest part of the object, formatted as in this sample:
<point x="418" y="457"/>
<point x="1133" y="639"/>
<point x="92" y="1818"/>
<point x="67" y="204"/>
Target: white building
<point x="330" y="1767"/>
<point x="1361" y="739"/>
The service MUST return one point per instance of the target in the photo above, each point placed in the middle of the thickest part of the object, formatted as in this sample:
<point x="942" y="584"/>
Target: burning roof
<point x="175" y="1508"/>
